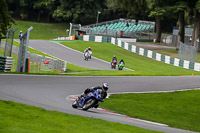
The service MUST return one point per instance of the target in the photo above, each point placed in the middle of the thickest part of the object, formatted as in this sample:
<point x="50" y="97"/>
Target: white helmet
<point x="105" y="86"/>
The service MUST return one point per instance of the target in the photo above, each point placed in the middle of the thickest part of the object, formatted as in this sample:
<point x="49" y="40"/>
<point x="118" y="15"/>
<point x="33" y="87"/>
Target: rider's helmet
<point x="105" y="86"/>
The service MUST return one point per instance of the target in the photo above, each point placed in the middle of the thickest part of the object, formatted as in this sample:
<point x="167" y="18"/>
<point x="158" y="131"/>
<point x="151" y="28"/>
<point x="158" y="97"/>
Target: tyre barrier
<point x="5" y="64"/>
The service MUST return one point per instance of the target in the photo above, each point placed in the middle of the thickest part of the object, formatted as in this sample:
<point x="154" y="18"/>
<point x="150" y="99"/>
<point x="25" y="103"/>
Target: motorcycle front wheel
<point x="74" y="104"/>
<point x="89" y="103"/>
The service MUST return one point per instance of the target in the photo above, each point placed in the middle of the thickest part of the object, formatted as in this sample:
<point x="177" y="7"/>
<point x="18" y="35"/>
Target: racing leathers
<point x="88" y="90"/>
<point x="103" y="93"/>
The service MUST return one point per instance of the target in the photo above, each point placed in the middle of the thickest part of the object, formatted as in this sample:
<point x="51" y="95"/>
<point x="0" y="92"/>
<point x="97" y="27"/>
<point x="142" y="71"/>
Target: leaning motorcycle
<point x="89" y="100"/>
<point x="121" y="66"/>
<point x="86" y="55"/>
<point x="90" y="54"/>
<point x="113" y="64"/>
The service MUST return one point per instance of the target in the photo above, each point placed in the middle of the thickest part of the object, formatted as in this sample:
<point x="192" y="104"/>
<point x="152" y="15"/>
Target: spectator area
<point x="120" y="27"/>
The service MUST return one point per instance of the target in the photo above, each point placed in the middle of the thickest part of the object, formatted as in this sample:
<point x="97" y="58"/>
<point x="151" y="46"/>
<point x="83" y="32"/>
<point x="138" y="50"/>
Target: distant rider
<point x="121" y="61"/>
<point x="20" y="34"/>
<point x="114" y="59"/>
<point x="89" y="49"/>
<point x="102" y="88"/>
<point x="90" y="52"/>
<point x="86" y="51"/>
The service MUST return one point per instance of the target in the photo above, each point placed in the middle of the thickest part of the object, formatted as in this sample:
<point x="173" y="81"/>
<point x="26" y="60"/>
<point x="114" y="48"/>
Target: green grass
<point x="74" y="68"/>
<point x="44" y="31"/>
<point x="20" y="118"/>
<point x="142" y="65"/>
<point x="176" y="109"/>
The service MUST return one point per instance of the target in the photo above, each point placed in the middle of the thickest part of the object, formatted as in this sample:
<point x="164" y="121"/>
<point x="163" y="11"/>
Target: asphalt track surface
<point x="68" y="54"/>
<point x="50" y="92"/>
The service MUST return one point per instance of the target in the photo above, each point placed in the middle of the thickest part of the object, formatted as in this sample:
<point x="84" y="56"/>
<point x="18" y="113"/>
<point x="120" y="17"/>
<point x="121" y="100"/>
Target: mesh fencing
<point x="35" y="58"/>
<point x="187" y="52"/>
<point x="53" y="63"/>
<point x="9" y="42"/>
<point x="22" y="53"/>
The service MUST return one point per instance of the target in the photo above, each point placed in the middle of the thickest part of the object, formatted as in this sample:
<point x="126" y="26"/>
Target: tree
<point x="45" y="7"/>
<point x="5" y="18"/>
<point x="135" y="8"/>
<point x="78" y="11"/>
<point x="40" y="6"/>
<point x="196" y="34"/>
<point x="180" y="8"/>
<point x="159" y="9"/>
<point x="113" y="10"/>
<point x="152" y="8"/>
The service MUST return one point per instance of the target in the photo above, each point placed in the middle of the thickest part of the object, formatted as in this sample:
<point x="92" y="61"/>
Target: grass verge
<point x="176" y="109"/>
<point x="20" y="118"/>
<point x="142" y="65"/>
<point x="44" y="31"/>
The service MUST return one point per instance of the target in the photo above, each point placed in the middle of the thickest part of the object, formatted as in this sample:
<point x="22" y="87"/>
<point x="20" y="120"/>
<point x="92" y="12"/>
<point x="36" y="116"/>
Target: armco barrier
<point x="5" y="64"/>
<point x="148" y="53"/>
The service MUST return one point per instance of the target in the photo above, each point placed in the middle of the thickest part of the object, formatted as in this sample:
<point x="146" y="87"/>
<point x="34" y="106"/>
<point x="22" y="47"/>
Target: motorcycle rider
<point x="86" y="51"/>
<point x="89" y="49"/>
<point x="90" y="52"/>
<point x="121" y="61"/>
<point x="103" y="89"/>
<point x="114" y="60"/>
<point x="20" y="34"/>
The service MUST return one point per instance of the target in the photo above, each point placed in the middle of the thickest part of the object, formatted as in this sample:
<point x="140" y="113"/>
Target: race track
<point x="53" y="92"/>
<point x="50" y="92"/>
<point x="69" y="55"/>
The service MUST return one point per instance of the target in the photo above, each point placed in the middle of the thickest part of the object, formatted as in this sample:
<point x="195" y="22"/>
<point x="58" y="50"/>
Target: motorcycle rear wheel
<point x="89" y="103"/>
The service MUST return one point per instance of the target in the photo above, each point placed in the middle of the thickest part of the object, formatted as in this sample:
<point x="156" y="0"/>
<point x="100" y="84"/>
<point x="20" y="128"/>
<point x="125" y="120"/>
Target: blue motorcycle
<point x="88" y="101"/>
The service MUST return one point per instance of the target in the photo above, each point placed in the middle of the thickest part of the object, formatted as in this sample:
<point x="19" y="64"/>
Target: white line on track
<point x="74" y="51"/>
<point x="82" y="53"/>
<point x="152" y="92"/>
<point x="46" y="53"/>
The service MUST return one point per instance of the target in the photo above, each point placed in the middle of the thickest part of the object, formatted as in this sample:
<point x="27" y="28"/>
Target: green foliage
<point x="135" y="9"/>
<point x="176" y="109"/>
<point x="158" y="12"/>
<point x="78" y="11"/>
<point x="160" y="7"/>
<point x="45" y="31"/>
<point x="5" y="18"/>
<point x="142" y="65"/>
<point x="198" y="5"/>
